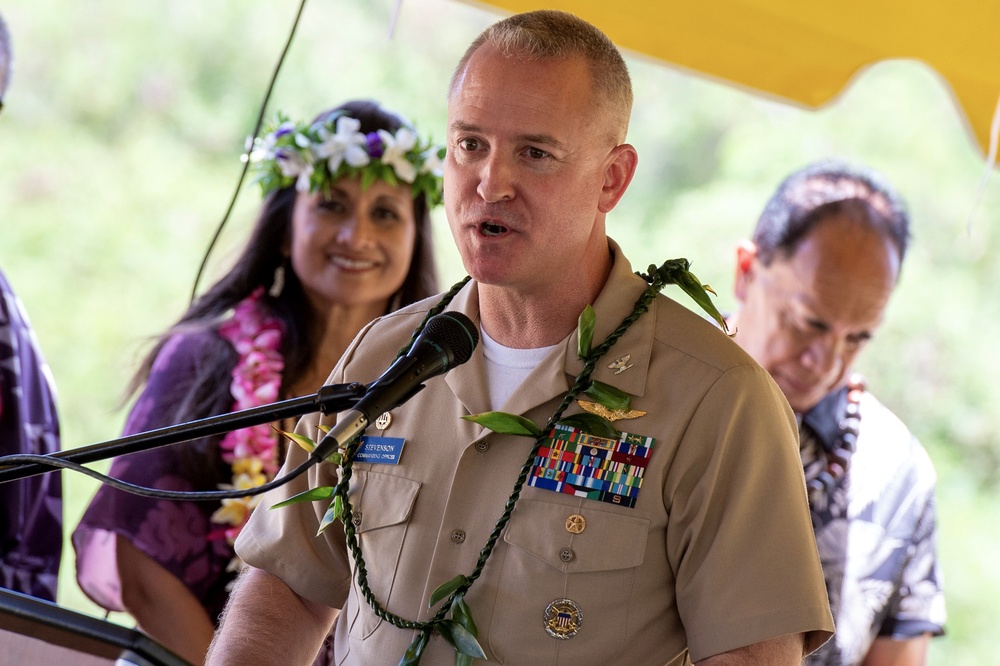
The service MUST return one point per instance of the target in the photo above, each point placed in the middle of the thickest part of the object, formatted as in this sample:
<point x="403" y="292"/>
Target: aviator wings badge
<point x="610" y="414"/>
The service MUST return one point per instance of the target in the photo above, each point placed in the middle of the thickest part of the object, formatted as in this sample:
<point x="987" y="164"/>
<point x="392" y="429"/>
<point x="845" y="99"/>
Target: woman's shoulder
<point x="188" y="349"/>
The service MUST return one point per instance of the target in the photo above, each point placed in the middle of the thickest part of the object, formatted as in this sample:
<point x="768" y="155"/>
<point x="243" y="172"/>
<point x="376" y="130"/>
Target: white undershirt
<point x="507" y="368"/>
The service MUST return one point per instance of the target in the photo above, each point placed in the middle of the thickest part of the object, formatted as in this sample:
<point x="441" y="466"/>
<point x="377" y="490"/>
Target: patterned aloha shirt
<point x="876" y="531"/>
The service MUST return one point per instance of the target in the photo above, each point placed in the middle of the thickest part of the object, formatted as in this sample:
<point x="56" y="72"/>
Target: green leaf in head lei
<point x="312" y="156"/>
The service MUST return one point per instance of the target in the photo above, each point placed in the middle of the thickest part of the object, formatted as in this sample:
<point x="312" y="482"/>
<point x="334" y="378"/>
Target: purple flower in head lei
<point x="374" y="145"/>
<point x="311" y="156"/>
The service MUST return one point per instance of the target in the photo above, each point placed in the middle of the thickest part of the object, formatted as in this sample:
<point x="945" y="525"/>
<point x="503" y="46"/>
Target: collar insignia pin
<point x="620" y="365"/>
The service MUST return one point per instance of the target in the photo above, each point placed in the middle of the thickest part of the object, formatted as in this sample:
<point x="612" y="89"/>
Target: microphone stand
<point x="329" y="399"/>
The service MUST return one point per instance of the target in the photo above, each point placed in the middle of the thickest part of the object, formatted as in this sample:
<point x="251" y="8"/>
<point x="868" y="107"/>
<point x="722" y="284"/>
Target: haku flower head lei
<point x="311" y="156"/>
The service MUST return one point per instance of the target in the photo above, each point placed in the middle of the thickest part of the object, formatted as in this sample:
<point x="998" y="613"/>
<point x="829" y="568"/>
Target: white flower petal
<point x="404" y="170"/>
<point x="356" y="156"/>
<point x="348" y="125"/>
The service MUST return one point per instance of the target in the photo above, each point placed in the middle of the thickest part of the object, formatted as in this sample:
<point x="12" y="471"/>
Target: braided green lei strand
<point x="460" y="629"/>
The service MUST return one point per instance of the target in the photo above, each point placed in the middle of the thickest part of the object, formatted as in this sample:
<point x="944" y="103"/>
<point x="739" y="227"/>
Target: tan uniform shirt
<point x="717" y="553"/>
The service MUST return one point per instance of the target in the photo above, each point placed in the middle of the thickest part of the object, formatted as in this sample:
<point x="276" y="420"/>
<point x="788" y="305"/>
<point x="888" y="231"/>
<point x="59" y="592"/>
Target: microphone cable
<point x="34" y="458"/>
<point x="246" y="162"/>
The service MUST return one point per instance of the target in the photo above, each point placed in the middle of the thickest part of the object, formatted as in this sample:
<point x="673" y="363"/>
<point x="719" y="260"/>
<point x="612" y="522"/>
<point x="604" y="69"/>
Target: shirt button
<point x="356" y="518"/>
<point x="566" y="554"/>
<point x="482" y="446"/>
<point x="458" y="536"/>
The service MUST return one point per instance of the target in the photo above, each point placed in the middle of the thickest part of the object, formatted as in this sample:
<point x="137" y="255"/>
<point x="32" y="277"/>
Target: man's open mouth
<point x="491" y="229"/>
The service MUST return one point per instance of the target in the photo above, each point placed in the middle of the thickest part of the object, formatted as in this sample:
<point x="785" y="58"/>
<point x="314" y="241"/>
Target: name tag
<point x="380" y="450"/>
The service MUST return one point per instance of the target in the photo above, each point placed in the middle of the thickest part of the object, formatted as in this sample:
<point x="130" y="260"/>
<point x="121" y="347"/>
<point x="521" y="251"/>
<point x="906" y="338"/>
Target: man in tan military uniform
<point x="703" y="553"/>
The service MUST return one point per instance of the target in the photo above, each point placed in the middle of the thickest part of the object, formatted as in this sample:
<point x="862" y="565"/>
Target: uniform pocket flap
<point x="607" y="541"/>
<point x="382" y="500"/>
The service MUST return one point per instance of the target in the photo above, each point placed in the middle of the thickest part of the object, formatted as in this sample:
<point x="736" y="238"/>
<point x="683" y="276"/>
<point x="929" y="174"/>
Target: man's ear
<point x="617" y="176"/>
<point x="746" y="260"/>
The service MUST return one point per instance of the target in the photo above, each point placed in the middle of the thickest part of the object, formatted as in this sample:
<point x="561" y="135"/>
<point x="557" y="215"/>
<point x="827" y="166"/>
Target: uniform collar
<point x="553" y="376"/>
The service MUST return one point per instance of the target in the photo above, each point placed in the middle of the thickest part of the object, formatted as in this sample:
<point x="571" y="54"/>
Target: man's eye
<point x="468" y="144"/>
<point x="817" y="326"/>
<point x="536" y="153"/>
<point x="857" y="341"/>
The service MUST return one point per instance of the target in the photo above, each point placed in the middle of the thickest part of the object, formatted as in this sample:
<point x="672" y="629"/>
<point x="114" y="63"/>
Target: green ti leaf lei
<point x="453" y="620"/>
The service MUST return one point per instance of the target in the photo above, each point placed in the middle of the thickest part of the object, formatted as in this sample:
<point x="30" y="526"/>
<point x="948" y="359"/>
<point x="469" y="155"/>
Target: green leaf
<point x="301" y="440"/>
<point x="445" y="590"/>
<point x="463" y="659"/>
<point x="505" y="424"/>
<point x="458" y="636"/>
<point x="677" y="271"/>
<point x="412" y="655"/>
<point x="461" y="613"/>
<point x="609" y="396"/>
<point x="323" y="428"/>
<point x="591" y="424"/>
<point x="311" y="495"/>
<point x="585" y="332"/>
<point x="333" y="513"/>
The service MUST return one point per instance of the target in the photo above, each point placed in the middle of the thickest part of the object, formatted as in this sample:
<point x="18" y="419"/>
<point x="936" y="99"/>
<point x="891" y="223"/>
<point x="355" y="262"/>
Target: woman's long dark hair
<point x="255" y="267"/>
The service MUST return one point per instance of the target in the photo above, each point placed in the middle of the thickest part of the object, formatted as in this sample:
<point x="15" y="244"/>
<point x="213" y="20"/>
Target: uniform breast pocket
<point x="567" y="582"/>
<point x="382" y="507"/>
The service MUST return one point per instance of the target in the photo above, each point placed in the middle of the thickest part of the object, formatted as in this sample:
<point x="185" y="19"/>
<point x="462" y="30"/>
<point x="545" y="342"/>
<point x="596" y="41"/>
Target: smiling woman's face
<point x="353" y="247"/>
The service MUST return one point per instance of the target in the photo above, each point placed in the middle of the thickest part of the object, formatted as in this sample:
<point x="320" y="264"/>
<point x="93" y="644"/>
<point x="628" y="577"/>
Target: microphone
<point x="447" y="340"/>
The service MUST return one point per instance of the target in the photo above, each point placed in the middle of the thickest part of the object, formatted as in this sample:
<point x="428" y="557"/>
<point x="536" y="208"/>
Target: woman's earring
<point x="278" y="284"/>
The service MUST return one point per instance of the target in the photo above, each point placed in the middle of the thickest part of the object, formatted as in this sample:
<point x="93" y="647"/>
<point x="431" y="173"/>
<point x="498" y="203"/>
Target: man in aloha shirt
<point x="812" y="288"/>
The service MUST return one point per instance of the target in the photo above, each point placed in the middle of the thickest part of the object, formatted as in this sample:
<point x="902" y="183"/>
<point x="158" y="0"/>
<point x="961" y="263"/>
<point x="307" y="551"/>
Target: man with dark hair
<point x="30" y="509"/>
<point x="812" y="287"/>
<point x="680" y="536"/>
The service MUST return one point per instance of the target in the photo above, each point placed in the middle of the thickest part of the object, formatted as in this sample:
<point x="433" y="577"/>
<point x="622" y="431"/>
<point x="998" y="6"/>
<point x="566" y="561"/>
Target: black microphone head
<point x="453" y="332"/>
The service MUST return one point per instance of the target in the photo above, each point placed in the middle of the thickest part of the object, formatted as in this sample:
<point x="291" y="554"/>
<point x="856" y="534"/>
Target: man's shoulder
<point x="882" y="434"/>
<point x="685" y="332"/>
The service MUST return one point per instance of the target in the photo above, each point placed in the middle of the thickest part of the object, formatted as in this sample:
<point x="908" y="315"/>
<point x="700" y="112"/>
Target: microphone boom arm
<point x="329" y="399"/>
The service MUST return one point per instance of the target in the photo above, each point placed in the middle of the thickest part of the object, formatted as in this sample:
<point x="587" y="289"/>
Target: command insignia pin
<point x="563" y="618"/>
<point x="383" y="421"/>
<point x="576" y="524"/>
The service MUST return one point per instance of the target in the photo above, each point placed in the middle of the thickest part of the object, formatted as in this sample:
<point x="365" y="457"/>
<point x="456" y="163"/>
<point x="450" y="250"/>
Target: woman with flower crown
<point x="343" y="237"/>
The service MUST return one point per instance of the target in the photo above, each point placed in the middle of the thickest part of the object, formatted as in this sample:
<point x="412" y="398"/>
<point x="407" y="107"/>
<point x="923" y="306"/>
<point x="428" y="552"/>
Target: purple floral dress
<point x="179" y="535"/>
<point x="31" y="508"/>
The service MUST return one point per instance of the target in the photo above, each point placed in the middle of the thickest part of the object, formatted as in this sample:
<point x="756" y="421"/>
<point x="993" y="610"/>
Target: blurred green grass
<point x="119" y="149"/>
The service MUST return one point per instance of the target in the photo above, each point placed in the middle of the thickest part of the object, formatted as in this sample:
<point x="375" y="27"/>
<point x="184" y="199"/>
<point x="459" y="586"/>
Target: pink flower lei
<point x="251" y="452"/>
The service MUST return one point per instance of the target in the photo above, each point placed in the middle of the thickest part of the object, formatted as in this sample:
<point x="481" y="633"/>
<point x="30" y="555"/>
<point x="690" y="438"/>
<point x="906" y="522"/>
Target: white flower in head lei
<point x="311" y="156"/>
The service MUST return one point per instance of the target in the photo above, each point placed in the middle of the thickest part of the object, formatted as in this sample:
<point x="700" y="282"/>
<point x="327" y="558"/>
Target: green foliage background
<point x="119" y="149"/>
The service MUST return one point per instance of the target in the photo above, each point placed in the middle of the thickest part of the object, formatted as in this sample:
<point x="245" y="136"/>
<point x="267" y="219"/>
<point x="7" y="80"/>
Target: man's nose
<point x="825" y="355"/>
<point x="496" y="179"/>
